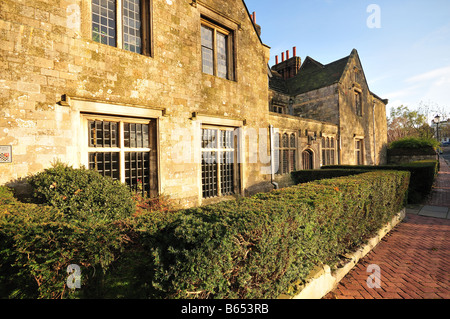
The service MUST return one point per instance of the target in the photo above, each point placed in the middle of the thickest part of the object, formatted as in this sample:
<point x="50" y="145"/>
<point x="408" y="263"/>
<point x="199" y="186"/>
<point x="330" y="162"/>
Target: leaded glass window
<point x="219" y="167"/>
<point x="216" y="50"/>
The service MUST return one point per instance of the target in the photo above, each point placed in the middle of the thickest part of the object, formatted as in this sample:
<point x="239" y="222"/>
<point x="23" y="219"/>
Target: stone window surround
<point x="147" y="33"/>
<point x="82" y="109"/>
<point x="329" y="149"/>
<point x="212" y="17"/>
<point x="214" y="121"/>
<point x="359" y="153"/>
<point x="289" y="149"/>
<point x="358" y="99"/>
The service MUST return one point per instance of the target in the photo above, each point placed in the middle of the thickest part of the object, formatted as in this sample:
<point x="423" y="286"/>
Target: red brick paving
<point x="414" y="258"/>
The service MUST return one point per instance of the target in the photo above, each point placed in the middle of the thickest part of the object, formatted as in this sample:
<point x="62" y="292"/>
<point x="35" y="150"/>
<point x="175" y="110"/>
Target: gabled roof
<point x="314" y="75"/>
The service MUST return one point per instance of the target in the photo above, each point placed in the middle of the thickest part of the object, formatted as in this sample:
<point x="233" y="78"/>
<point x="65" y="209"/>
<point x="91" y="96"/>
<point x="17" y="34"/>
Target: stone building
<point x="174" y="95"/>
<point x="337" y="93"/>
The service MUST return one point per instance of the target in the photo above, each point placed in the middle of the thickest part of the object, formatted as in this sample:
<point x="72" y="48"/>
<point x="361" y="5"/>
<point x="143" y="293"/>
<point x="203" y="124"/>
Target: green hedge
<point x="423" y="174"/>
<point x="256" y="247"/>
<point x="82" y="194"/>
<point x="306" y="176"/>
<point x="78" y="219"/>
<point x="414" y="143"/>
<point x="266" y="245"/>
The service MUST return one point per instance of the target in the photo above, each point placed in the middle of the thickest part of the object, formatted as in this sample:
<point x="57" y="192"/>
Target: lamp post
<point x="437" y="120"/>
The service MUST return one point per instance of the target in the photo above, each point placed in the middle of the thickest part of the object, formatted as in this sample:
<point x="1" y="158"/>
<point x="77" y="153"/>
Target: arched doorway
<point x="308" y="159"/>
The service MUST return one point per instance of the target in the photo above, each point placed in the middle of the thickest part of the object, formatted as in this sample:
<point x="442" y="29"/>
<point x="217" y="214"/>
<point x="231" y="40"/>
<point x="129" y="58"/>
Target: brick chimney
<point x="288" y="67"/>
<point x="257" y="26"/>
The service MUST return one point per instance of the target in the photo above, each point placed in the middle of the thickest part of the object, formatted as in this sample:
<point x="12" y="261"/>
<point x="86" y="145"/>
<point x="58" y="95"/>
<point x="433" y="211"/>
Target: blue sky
<point x="406" y="60"/>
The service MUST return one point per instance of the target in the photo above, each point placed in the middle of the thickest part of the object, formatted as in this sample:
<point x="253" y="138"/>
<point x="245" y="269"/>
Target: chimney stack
<point x="288" y="67"/>
<point x="254" y="17"/>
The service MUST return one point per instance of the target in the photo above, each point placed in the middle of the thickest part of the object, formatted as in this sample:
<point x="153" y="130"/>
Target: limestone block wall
<point x="320" y="104"/>
<point x="302" y="128"/>
<point x="46" y="51"/>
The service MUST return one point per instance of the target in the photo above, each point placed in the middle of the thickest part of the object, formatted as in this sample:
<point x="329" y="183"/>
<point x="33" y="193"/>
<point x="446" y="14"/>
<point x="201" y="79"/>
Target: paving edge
<point x="322" y="281"/>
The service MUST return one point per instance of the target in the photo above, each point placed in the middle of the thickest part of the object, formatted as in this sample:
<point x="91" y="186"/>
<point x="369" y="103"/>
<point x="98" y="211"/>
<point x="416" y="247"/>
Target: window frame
<point x="289" y="164"/>
<point x="359" y="152"/>
<point x="230" y="35"/>
<point x="88" y="148"/>
<point x="358" y="103"/>
<point x="217" y="150"/>
<point x="146" y="10"/>
<point x="328" y="150"/>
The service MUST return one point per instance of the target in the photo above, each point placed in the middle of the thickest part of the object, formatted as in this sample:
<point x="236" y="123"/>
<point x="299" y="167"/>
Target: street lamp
<point x="437" y="120"/>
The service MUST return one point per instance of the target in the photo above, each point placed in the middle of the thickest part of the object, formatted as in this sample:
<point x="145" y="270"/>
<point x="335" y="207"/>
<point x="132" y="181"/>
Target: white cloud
<point x="437" y="75"/>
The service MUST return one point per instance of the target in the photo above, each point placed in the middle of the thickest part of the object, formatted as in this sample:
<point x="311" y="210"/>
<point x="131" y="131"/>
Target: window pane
<point x="285" y="140"/>
<point x="137" y="171"/>
<point x="104" y="21"/>
<point x="227" y="173"/>
<point x="103" y="134"/>
<point x="209" y="138"/>
<point x="132" y="26"/>
<point x="292" y="160"/>
<point x="222" y="55"/>
<point x="208" y="60"/>
<point x="106" y="163"/>
<point x="209" y="174"/>
<point x="285" y="161"/>
<point x="292" y="140"/>
<point x="207" y="50"/>
<point x="207" y="37"/>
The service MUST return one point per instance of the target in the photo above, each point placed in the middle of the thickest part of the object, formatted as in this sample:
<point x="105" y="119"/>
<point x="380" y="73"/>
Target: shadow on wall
<point x="22" y="189"/>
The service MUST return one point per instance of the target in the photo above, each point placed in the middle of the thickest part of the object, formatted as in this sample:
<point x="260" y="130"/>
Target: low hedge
<point x="39" y="241"/>
<point x="423" y="174"/>
<point x="263" y="246"/>
<point x="306" y="176"/>
<point x="414" y="143"/>
<point x="257" y="247"/>
<point x="82" y="194"/>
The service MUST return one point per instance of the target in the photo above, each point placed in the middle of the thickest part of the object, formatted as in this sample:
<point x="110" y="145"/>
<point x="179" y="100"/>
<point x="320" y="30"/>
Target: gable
<point x="313" y="75"/>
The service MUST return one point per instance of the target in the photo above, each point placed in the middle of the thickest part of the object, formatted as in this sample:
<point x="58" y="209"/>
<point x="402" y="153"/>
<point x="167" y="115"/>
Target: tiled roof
<point x="277" y="83"/>
<point x="313" y="75"/>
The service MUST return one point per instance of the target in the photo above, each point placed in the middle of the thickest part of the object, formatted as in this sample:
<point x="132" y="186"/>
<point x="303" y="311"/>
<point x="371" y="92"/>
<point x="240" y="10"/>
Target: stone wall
<point x="321" y="104"/>
<point x="47" y="52"/>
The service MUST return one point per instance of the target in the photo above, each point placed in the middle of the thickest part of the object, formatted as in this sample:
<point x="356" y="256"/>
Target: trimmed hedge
<point x="423" y="174"/>
<point x="415" y="143"/>
<point x="78" y="219"/>
<point x="256" y="247"/>
<point x="82" y="194"/>
<point x="263" y="246"/>
<point x="306" y="176"/>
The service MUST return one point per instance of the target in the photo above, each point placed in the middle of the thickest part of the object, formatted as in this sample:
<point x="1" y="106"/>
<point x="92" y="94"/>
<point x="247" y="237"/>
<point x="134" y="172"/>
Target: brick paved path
<point x="414" y="258"/>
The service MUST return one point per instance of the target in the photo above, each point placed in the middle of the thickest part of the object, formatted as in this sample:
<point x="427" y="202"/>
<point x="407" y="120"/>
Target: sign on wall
<point x="5" y="153"/>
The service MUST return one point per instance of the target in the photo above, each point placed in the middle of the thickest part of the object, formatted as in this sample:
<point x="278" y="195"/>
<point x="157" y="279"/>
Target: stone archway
<point x="308" y="159"/>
